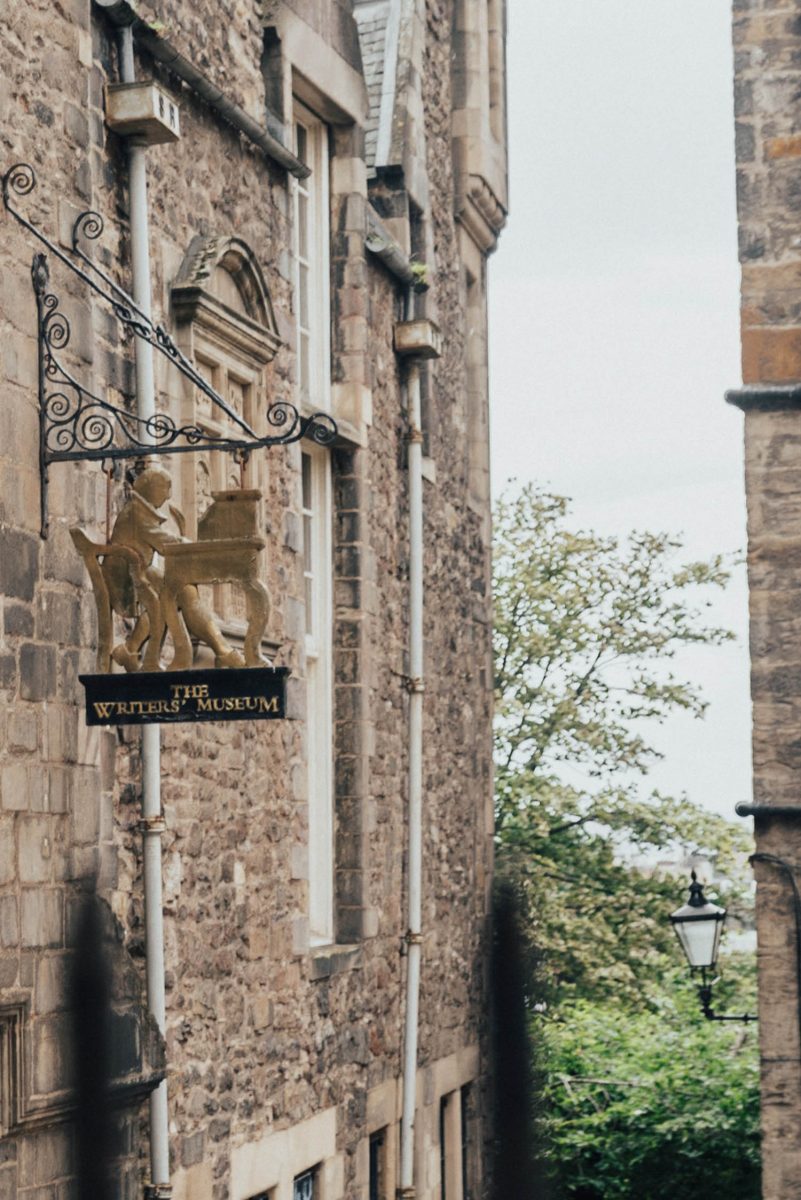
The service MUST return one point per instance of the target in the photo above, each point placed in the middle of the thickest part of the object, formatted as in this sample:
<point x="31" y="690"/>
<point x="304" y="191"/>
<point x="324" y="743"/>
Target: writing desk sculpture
<point x="127" y="581"/>
<point x="227" y="551"/>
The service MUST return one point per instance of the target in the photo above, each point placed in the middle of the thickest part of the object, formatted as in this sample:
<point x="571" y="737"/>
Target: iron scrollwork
<point x="75" y="424"/>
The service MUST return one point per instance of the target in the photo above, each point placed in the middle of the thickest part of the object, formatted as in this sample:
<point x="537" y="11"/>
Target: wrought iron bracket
<point x="75" y="424"/>
<point x="704" y="989"/>
<point x="705" y="1000"/>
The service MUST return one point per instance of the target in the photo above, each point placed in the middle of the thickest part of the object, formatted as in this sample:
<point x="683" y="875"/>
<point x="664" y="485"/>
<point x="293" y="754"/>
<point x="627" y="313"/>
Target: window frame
<point x="311" y="1174"/>
<point x="317" y="528"/>
<point x="314" y="392"/>
<point x="377" y="1164"/>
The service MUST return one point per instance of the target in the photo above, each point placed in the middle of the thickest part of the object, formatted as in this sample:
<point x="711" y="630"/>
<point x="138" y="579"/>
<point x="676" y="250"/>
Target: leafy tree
<point x="653" y="1105"/>
<point x="585" y="628"/>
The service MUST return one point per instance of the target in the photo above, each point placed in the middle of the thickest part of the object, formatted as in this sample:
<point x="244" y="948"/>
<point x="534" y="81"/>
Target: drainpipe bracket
<point x="413" y="939"/>
<point x="158" y="1191"/>
<point x="151" y="825"/>
<point x="415" y="436"/>
<point x="414" y="685"/>
<point x="406" y="1193"/>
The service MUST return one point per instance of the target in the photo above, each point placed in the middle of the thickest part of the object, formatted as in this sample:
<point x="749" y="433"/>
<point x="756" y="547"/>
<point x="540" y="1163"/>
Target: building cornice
<point x="766" y="397"/>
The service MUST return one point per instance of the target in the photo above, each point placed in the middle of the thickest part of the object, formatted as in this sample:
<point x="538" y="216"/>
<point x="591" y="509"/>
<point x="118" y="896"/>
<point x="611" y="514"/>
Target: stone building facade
<point x="324" y="150"/>
<point x="767" y="59"/>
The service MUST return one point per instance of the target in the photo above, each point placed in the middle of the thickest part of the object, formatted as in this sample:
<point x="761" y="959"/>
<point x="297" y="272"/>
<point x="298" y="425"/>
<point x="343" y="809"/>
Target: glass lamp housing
<point x="698" y="925"/>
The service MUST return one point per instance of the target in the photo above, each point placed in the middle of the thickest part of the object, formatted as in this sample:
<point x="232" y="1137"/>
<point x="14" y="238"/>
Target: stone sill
<point x="334" y="959"/>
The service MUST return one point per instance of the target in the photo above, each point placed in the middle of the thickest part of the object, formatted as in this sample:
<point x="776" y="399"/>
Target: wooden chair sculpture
<point x="97" y="554"/>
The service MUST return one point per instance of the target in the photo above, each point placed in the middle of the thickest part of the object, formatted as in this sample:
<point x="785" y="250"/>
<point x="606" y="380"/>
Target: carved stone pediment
<point x="221" y="289"/>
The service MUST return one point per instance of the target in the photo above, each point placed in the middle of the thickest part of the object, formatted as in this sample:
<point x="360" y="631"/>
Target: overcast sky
<point x="613" y="318"/>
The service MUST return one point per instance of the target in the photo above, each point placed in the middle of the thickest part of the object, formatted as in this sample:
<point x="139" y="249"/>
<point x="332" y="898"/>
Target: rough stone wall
<point x="261" y="1033"/>
<point x="767" y="55"/>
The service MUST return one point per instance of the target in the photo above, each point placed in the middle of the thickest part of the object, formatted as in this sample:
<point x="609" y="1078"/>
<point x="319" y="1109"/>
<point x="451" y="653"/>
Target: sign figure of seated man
<point x="141" y="527"/>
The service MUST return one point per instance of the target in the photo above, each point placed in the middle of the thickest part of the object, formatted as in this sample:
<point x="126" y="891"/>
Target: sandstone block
<point x="8" y="671"/>
<point x="59" y="618"/>
<point x="17" y="620"/>
<point x="7" y="864"/>
<point x="52" y="1067"/>
<point x="9" y="921"/>
<point x="42" y="917"/>
<point x="51" y="983"/>
<point x="23" y="728"/>
<point x="35" y="836"/>
<point x="37" y="670"/>
<point x="85" y="805"/>
<point x="15" y="786"/>
<point x="19" y="564"/>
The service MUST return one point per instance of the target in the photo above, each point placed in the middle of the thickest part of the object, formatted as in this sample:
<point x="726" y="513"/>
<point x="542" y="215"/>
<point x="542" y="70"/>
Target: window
<point x="468" y="1174"/>
<point x="378" y="1165"/>
<point x="225" y="323"/>
<point x="312" y="256"/>
<point x="312" y="314"/>
<point x="218" y="472"/>
<point x="443" y="1148"/>
<point x="451" y="1147"/>
<point x="317" y="575"/>
<point x="303" y="1186"/>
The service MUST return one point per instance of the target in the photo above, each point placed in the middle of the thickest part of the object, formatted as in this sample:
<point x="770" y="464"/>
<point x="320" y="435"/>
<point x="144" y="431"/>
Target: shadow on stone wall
<point x="90" y="1001"/>
<point x="517" y="1166"/>
<point x="117" y="1053"/>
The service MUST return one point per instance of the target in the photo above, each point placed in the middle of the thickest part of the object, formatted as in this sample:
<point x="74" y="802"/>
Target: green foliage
<point x="584" y="629"/>
<point x="652" y="1105"/>
<point x="642" y="1096"/>
<point x="420" y="271"/>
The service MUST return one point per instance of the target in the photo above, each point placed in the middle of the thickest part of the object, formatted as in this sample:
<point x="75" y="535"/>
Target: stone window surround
<point x="24" y="1039"/>
<point x="351" y="407"/>
<point x="353" y="602"/>
<point x="479" y="119"/>
<point x="207" y="326"/>
<point x="477" y="363"/>
<point x="21" y="1107"/>
<point x="306" y="71"/>
<point x="447" y="1076"/>
<point x="271" y="1164"/>
<point x="334" y="94"/>
<point x="12" y="1057"/>
<point x="231" y="341"/>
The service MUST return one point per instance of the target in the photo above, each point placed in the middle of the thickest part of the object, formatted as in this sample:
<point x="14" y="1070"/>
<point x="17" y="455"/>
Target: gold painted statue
<point x="127" y="581"/>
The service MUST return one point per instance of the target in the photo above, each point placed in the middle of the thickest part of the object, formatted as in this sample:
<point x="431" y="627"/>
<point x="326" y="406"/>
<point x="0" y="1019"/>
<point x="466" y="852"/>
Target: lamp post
<point x="698" y="925"/>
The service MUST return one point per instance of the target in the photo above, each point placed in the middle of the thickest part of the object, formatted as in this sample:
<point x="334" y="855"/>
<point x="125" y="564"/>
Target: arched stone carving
<point x="220" y="287"/>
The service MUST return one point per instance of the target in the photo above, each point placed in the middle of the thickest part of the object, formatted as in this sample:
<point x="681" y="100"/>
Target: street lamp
<point x="698" y="925"/>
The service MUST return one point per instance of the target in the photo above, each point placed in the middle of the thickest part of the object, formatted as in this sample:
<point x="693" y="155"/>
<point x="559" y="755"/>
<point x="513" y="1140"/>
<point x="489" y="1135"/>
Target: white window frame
<point x="318" y="580"/>
<point x="312" y="261"/>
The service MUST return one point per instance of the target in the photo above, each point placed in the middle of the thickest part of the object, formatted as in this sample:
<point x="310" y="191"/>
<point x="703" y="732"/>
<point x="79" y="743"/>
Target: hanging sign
<point x="165" y="697"/>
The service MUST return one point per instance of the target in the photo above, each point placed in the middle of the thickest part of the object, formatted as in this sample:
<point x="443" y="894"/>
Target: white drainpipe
<point x="152" y="819"/>
<point x="414" y="936"/>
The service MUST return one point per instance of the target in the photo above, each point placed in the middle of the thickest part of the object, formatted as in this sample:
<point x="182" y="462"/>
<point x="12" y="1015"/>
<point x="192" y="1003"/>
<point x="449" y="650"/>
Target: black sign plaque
<point x="164" y="697"/>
